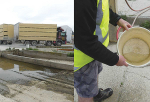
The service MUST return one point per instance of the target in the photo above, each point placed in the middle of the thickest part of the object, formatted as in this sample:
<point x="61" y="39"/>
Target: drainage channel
<point x="19" y="80"/>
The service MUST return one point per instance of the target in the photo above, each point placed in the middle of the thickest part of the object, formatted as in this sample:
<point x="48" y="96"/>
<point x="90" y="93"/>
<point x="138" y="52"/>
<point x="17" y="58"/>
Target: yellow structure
<point x="6" y="33"/>
<point x="25" y="31"/>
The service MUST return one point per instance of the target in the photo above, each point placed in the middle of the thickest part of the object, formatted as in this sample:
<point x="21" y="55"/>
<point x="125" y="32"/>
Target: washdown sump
<point x="134" y="45"/>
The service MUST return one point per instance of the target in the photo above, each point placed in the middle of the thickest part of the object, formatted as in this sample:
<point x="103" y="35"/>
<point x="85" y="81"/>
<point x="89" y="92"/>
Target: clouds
<point x="60" y="12"/>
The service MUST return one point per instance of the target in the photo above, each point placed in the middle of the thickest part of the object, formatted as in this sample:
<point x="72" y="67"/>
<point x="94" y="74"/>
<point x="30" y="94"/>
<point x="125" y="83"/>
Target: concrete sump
<point x="47" y="59"/>
<point x="24" y="82"/>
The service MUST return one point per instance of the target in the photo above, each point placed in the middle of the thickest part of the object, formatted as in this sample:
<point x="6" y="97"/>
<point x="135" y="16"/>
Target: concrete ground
<point x="14" y="45"/>
<point x="21" y="46"/>
<point x="129" y="84"/>
<point x="4" y="99"/>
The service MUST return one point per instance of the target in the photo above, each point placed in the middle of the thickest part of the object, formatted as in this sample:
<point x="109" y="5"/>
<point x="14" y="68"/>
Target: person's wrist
<point x="117" y="59"/>
<point x="117" y="20"/>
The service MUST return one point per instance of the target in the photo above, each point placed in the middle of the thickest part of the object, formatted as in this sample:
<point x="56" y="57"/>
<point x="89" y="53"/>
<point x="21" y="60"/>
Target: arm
<point x="115" y="20"/>
<point x="85" y="24"/>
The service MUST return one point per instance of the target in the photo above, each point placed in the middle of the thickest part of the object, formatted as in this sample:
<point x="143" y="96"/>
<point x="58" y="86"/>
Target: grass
<point x="32" y="49"/>
<point x="70" y="54"/>
<point x="8" y="49"/>
<point x="123" y="17"/>
<point x="146" y="24"/>
<point x="121" y="84"/>
<point x="55" y="51"/>
<point x="13" y="48"/>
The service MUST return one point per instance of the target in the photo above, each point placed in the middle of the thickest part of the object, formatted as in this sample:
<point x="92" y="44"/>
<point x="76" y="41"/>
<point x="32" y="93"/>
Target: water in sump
<point x="21" y="73"/>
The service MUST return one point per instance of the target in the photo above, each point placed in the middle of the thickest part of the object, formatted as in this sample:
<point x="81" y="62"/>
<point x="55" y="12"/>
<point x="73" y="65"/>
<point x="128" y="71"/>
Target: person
<point x="91" y="23"/>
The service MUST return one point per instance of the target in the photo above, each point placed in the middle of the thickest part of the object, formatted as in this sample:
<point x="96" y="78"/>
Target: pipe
<point x="139" y="15"/>
<point x="133" y="9"/>
<point x="118" y="33"/>
<point x="147" y="8"/>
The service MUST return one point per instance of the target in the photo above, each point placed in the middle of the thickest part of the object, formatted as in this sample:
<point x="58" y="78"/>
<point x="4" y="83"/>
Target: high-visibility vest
<point x="102" y="26"/>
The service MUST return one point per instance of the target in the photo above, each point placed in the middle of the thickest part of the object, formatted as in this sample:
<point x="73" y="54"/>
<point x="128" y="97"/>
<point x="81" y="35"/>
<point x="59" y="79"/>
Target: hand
<point x="124" y="24"/>
<point x="122" y="61"/>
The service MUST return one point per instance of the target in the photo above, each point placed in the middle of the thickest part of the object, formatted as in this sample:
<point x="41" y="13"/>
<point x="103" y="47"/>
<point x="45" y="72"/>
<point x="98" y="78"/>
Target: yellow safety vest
<point x="102" y="26"/>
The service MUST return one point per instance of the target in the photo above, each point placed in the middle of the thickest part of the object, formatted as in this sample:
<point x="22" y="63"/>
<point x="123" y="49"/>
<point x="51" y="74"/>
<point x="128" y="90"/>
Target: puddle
<point x="19" y="72"/>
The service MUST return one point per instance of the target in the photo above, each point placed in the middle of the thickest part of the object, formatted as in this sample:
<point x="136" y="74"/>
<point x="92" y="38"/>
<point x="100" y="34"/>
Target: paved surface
<point x="129" y="84"/>
<point x="14" y="45"/>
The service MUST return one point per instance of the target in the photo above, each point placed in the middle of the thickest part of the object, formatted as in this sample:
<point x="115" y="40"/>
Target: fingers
<point x="129" y="25"/>
<point x="126" y="28"/>
<point x="122" y="61"/>
<point x="125" y="64"/>
<point x="124" y="24"/>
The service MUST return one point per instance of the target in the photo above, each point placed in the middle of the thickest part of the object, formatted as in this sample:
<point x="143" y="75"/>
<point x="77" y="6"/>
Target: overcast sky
<point x="60" y="12"/>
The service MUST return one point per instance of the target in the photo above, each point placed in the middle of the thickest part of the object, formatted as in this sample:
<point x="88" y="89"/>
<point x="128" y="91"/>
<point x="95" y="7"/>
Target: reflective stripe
<point x="75" y="48"/>
<point x="76" y="68"/>
<point x="99" y="34"/>
<point x="99" y="13"/>
<point x="98" y="22"/>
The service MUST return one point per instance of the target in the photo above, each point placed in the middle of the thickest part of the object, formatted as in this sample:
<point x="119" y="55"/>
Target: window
<point x="63" y="33"/>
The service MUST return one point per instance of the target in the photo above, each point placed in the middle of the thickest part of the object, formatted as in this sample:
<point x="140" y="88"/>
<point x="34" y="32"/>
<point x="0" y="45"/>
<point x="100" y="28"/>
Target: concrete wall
<point x="37" y="61"/>
<point x="113" y="29"/>
<point x="47" y="55"/>
<point x="6" y="52"/>
<point x="138" y="21"/>
<point x="123" y="9"/>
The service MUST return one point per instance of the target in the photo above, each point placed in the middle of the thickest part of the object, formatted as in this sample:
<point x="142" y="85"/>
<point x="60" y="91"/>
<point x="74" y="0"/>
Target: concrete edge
<point x="38" y="61"/>
<point x="48" y="55"/>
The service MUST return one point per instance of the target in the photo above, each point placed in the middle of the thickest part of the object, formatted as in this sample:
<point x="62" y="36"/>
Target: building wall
<point x="113" y="29"/>
<point x="123" y="9"/>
